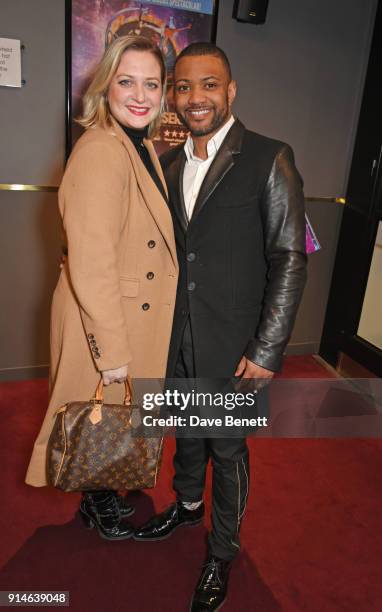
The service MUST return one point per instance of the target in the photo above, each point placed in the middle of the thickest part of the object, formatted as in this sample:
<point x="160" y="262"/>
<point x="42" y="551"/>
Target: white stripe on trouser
<point x="240" y="514"/>
<point x="247" y="488"/>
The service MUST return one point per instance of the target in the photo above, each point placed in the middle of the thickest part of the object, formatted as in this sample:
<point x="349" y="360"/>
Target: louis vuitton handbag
<point x="95" y="446"/>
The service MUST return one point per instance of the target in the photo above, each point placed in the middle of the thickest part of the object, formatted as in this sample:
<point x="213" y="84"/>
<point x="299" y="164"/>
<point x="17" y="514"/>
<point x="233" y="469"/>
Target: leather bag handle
<point x="95" y="415"/>
<point x="98" y="395"/>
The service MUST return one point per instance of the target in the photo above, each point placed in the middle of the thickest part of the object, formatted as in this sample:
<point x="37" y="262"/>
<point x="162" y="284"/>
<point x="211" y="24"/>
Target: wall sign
<point x="10" y="62"/>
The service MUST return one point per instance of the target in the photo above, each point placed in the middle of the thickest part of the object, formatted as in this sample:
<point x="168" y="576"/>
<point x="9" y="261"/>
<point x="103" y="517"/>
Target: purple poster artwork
<point x="95" y="23"/>
<point x="312" y="244"/>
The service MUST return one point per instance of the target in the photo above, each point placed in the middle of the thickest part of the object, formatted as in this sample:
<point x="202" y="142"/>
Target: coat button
<point x="191" y="257"/>
<point x="145" y="306"/>
<point x="191" y="286"/>
<point x="150" y="275"/>
<point x="151" y="244"/>
<point x="90" y="336"/>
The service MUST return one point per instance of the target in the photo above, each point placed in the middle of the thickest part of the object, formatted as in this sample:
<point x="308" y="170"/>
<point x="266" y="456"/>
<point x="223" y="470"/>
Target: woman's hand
<point x="118" y="375"/>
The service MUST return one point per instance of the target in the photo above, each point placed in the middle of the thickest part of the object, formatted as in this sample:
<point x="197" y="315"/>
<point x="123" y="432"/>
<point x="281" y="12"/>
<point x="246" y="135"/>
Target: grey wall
<point x="300" y="79"/>
<point x="33" y="117"/>
<point x="32" y="149"/>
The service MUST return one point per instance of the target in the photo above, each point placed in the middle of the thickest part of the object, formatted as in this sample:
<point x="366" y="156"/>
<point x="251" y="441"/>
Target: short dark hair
<point x="205" y="48"/>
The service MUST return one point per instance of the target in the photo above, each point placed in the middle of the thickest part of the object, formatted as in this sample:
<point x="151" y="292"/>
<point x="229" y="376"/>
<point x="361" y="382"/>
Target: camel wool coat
<point x="115" y="297"/>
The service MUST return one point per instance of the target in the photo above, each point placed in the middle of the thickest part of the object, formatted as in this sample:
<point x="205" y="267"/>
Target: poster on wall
<point x="93" y="24"/>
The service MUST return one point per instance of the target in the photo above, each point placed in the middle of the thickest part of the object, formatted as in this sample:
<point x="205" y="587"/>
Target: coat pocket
<point x="129" y="287"/>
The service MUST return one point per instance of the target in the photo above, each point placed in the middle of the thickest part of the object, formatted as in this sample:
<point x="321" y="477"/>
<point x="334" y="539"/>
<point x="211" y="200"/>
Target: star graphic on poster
<point x="175" y="133"/>
<point x="182" y="134"/>
<point x="167" y="133"/>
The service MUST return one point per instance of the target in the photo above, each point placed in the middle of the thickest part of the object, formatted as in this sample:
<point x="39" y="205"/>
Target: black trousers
<point x="230" y="463"/>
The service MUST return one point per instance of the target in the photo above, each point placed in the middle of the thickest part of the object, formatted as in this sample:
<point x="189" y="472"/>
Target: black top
<point x="136" y="136"/>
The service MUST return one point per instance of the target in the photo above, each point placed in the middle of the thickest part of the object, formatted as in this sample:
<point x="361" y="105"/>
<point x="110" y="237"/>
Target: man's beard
<point x="218" y="119"/>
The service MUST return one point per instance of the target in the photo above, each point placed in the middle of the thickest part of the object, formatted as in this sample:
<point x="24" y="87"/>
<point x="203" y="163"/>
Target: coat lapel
<point x="154" y="158"/>
<point x="174" y="177"/>
<point x="222" y="163"/>
<point x="156" y="204"/>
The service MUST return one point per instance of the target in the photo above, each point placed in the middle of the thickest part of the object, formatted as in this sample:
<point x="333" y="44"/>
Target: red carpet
<point x="311" y="538"/>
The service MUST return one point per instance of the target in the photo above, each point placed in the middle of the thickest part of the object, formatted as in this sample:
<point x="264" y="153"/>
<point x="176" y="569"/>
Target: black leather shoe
<point x="211" y="590"/>
<point x="124" y="508"/>
<point x="162" y="525"/>
<point x="101" y="510"/>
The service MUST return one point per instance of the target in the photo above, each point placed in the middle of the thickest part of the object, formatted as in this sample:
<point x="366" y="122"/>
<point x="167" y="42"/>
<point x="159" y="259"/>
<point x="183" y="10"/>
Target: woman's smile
<point x="139" y="111"/>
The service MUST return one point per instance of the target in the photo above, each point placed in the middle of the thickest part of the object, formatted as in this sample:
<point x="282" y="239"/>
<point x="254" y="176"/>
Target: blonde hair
<point x="96" y="111"/>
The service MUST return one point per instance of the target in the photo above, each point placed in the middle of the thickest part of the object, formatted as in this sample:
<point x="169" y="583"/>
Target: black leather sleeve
<point x="284" y="236"/>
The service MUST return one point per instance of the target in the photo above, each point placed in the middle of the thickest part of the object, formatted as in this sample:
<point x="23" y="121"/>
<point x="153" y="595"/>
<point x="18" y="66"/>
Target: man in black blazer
<point x="238" y="210"/>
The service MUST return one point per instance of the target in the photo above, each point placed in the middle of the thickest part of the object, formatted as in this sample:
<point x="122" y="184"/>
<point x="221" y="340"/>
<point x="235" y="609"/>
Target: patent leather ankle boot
<point x="125" y="509"/>
<point x="101" y="510"/>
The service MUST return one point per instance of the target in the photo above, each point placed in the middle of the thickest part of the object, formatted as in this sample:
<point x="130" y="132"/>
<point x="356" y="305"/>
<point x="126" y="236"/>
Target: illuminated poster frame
<point x="92" y="24"/>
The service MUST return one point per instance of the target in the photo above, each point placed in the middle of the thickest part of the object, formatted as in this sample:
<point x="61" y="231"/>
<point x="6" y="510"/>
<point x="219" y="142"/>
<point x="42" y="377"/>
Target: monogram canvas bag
<point x="95" y="446"/>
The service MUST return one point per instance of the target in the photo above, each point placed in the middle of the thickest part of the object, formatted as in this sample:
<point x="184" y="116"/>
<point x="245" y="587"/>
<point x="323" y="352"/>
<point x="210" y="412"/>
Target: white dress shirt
<point x="196" y="169"/>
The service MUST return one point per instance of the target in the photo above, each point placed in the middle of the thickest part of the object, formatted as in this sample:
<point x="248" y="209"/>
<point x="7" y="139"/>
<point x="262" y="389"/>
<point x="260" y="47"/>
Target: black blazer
<point x="242" y="256"/>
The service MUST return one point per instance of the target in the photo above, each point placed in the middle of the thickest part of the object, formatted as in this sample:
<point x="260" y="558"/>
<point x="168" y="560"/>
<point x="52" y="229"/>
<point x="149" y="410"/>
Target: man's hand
<point x="252" y="375"/>
<point x="118" y="375"/>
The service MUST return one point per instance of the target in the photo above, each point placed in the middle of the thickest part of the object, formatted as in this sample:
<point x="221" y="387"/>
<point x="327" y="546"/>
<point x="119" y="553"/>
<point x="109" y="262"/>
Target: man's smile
<point x="198" y="112"/>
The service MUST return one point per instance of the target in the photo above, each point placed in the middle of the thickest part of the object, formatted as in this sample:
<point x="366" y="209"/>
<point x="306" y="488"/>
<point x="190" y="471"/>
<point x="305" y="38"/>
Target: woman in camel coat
<point x="113" y="305"/>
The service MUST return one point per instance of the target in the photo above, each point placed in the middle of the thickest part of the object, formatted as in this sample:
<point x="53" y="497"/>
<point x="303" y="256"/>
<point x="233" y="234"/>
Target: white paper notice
<point x="10" y="62"/>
